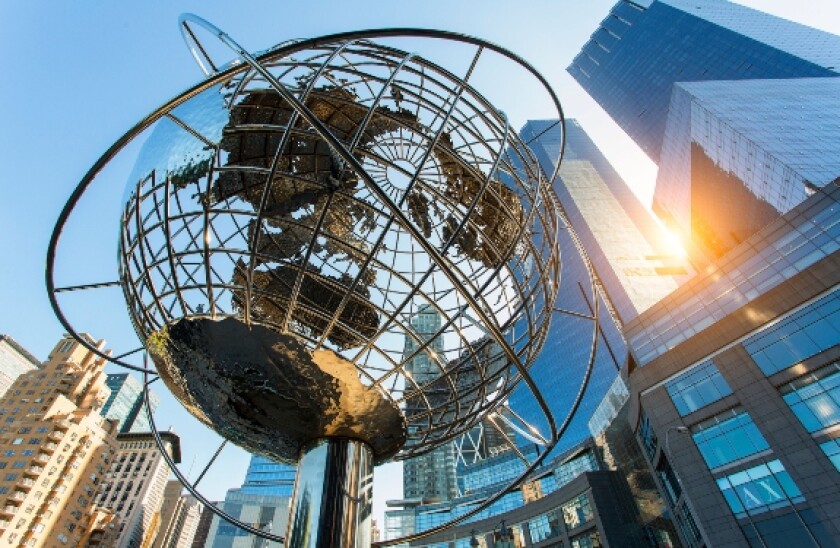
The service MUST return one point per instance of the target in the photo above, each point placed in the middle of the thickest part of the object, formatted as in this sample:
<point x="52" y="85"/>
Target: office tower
<point x="267" y="477"/>
<point x="125" y="404"/>
<point x="643" y="47"/>
<point x="14" y="361"/>
<point x="730" y="163"/>
<point x="635" y="259"/>
<point x="430" y="475"/>
<point x="267" y="512"/>
<point x="572" y="501"/>
<point x="735" y="396"/>
<point x="134" y="484"/>
<point x="203" y="529"/>
<point x="54" y="448"/>
<point x="180" y="516"/>
<point x="262" y="501"/>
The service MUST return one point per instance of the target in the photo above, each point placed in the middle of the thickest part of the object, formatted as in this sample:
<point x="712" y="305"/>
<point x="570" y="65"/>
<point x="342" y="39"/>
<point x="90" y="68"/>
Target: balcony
<point x="26" y="482"/>
<point x="49" y="447"/>
<point x="10" y="509"/>
<point x="56" y="435"/>
<point x="35" y="470"/>
<point x="18" y="495"/>
<point x="42" y="458"/>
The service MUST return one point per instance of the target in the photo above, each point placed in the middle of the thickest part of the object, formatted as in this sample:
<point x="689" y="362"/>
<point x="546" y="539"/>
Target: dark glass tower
<point x="633" y="59"/>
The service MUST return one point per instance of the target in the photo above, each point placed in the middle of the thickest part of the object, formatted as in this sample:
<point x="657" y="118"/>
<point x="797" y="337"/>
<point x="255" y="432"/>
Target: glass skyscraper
<point x="630" y="251"/>
<point x="642" y="47"/>
<point x="262" y="501"/>
<point x="267" y="477"/>
<point x="430" y="475"/>
<point x="730" y="164"/>
<point x="125" y="404"/>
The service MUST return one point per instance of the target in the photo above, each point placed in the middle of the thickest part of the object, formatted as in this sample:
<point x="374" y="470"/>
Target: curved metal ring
<point x="219" y="76"/>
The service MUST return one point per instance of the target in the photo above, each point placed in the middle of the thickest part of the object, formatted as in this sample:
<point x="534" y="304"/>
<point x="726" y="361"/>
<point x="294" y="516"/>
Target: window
<point x="798" y="337"/>
<point x="19" y="464"/>
<point x="65" y="346"/>
<point x="576" y="512"/>
<point x="697" y="388"/>
<point x="27" y="453"/>
<point x="728" y="437"/>
<point x="666" y="475"/>
<point x="545" y="526"/>
<point x="587" y="540"/>
<point x="815" y="398"/>
<point x="647" y="436"/>
<point x="758" y="489"/>
<point x="11" y="477"/>
<point x="35" y="441"/>
<point x="17" y="441"/>
<point x="831" y="449"/>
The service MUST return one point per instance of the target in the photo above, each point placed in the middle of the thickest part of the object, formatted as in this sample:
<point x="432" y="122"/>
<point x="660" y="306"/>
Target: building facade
<point x="133" y="488"/>
<point x="55" y="447"/>
<point x="430" y="475"/>
<point x="733" y="394"/>
<point x="125" y="404"/>
<point x="643" y="47"/>
<point x="262" y="501"/>
<point x="15" y="360"/>
<point x="635" y="259"/>
<point x="267" y="512"/>
<point x="572" y="501"/>
<point x="731" y="164"/>
<point x="180" y="515"/>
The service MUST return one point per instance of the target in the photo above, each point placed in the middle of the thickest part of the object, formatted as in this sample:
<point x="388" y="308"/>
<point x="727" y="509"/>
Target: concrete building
<point x="15" y="360"/>
<point x="180" y="515"/>
<point x="125" y="404"/>
<point x="643" y="47"/>
<point x="133" y="487"/>
<point x="55" y="448"/>
<point x="734" y="387"/>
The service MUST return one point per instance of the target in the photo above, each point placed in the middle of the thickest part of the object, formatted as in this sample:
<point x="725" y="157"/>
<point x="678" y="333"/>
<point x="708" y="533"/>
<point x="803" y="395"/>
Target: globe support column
<point x="332" y="501"/>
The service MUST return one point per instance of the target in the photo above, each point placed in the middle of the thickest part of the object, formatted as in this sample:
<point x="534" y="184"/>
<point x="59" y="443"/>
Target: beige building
<point x="179" y="517"/>
<point x="133" y="488"/>
<point x="15" y="360"/>
<point x="54" y="448"/>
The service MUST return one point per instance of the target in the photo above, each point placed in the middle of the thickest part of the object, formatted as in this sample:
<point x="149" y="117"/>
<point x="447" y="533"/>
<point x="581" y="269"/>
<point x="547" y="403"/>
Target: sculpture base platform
<point x="332" y="502"/>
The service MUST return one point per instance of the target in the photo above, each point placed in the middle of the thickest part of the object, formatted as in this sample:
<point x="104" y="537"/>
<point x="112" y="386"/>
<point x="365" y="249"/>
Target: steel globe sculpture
<point x="337" y="253"/>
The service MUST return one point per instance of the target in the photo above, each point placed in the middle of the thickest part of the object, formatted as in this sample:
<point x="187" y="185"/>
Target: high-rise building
<point x="267" y="477"/>
<point x="203" y="529"/>
<point x="54" y="448"/>
<point x="430" y="475"/>
<point x="180" y="515"/>
<point x="15" y="360"/>
<point x="125" y="404"/>
<point x="731" y="164"/>
<point x="133" y="487"/>
<point x="735" y="397"/>
<point x="267" y="512"/>
<point x="632" y="254"/>
<point x="643" y="47"/>
<point x="262" y="501"/>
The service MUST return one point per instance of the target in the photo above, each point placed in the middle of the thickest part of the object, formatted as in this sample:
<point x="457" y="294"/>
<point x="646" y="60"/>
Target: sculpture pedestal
<point x="332" y="502"/>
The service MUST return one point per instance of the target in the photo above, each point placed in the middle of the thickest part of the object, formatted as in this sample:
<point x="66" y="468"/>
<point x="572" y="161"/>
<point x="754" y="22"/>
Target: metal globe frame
<point x="255" y="66"/>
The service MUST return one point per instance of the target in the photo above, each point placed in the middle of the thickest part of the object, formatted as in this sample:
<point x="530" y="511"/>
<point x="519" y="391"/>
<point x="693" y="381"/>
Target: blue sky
<point x="78" y="75"/>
